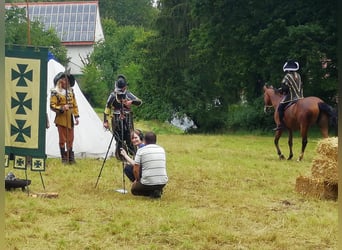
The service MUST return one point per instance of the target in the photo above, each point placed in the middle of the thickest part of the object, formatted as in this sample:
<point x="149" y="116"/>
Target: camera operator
<point x="120" y="102"/>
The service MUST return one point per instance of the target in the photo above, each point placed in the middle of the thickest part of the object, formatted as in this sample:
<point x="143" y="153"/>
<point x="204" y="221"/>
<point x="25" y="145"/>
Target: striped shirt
<point x="293" y="83"/>
<point x="153" y="161"/>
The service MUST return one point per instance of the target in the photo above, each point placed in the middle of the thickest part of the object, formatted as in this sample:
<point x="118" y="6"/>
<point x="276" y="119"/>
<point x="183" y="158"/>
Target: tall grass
<point x="224" y="192"/>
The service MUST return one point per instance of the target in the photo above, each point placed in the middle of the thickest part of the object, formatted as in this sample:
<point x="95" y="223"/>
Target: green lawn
<point x="224" y="192"/>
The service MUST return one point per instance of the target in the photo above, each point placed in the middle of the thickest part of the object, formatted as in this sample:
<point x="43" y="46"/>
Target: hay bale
<point x="328" y="147"/>
<point x="324" y="181"/>
<point x="325" y="168"/>
<point x="316" y="188"/>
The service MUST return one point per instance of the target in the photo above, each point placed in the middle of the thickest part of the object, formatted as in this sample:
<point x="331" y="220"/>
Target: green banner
<point x="25" y="101"/>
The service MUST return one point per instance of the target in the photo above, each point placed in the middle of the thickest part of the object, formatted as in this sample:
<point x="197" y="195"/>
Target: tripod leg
<point x="27" y="184"/>
<point x="123" y="191"/>
<point x="123" y="177"/>
<point x="104" y="161"/>
<point x="41" y="178"/>
<point x="122" y="139"/>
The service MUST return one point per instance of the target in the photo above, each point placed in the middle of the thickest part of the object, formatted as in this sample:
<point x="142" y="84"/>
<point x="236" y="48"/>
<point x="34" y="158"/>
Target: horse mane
<point x="276" y="91"/>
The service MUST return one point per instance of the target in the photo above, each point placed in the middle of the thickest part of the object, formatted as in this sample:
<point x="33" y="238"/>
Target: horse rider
<point x="120" y="101"/>
<point x="291" y="88"/>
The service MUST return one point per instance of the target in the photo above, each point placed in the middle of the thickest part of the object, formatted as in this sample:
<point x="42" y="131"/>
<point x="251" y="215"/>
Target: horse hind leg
<point x="304" y="142"/>
<point x="304" y="134"/>
<point x="290" y="143"/>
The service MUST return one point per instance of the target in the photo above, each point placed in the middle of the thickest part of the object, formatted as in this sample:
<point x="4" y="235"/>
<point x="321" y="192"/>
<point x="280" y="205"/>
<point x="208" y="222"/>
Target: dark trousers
<point x="122" y="129"/>
<point x="145" y="190"/>
<point x="129" y="172"/>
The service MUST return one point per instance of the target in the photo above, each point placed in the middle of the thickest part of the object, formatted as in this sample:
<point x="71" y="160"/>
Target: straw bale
<point x="317" y="188"/>
<point x="328" y="147"/>
<point x="325" y="168"/>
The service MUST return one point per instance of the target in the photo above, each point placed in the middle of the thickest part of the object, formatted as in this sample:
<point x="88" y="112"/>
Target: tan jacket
<point x="57" y="101"/>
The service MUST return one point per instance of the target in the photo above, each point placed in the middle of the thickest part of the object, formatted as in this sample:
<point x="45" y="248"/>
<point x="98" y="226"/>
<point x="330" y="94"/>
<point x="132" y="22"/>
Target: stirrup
<point x="279" y="127"/>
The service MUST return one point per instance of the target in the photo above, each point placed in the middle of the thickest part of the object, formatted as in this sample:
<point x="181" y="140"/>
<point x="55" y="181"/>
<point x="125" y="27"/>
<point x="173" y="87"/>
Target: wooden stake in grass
<point x="44" y="195"/>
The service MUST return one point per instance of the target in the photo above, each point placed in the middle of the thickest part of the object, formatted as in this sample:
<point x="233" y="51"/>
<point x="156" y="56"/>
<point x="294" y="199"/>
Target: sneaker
<point x="156" y="194"/>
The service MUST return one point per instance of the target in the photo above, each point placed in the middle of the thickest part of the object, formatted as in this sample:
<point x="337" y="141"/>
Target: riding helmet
<point x="120" y="83"/>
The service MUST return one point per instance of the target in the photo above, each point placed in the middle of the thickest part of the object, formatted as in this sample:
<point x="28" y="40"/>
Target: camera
<point x="121" y="97"/>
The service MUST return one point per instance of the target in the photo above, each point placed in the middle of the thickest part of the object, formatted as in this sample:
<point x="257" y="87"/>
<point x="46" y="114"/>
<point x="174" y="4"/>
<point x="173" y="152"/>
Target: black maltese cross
<point x="22" y="74"/>
<point x="21" y="103"/>
<point x="20" y="130"/>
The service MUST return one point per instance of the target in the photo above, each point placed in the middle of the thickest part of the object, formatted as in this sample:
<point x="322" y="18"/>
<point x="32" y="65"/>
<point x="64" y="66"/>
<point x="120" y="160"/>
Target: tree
<point x="204" y="56"/>
<point x="93" y="86"/>
<point x="117" y="54"/>
<point x="165" y="58"/>
<point x="207" y="55"/>
<point x="128" y="12"/>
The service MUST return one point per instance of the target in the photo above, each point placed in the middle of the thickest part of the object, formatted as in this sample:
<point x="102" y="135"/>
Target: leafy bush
<point x="93" y="86"/>
<point x="249" y="117"/>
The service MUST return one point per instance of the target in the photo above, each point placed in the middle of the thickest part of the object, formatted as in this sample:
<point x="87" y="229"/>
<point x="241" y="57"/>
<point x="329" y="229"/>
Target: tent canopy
<point x="91" y="138"/>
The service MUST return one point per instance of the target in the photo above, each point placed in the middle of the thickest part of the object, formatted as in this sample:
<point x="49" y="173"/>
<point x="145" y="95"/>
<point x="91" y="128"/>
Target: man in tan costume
<point x="63" y="103"/>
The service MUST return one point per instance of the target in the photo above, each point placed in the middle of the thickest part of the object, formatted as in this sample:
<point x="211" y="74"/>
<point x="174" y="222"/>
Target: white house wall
<point x="75" y="53"/>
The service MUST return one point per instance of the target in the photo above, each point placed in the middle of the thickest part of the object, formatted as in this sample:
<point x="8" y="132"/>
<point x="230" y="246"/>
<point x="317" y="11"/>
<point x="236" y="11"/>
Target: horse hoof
<point x="281" y="157"/>
<point x="290" y="157"/>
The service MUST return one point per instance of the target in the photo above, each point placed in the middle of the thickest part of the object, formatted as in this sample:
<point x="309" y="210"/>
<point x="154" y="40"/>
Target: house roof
<point x="74" y="22"/>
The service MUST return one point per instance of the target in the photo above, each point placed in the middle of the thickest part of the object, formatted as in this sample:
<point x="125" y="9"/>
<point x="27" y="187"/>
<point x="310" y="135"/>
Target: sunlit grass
<point x="225" y="192"/>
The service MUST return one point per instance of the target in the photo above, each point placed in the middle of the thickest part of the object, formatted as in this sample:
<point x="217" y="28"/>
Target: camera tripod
<point x="120" y="143"/>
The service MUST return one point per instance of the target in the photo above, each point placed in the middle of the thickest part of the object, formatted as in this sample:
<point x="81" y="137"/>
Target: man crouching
<point x="152" y="160"/>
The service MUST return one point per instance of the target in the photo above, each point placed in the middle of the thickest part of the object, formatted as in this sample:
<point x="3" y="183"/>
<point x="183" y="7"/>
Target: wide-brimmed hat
<point x="291" y="65"/>
<point x="61" y="75"/>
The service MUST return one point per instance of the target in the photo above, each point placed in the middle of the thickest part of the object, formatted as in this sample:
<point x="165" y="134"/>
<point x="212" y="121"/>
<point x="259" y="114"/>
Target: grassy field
<point x="224" y="192"/>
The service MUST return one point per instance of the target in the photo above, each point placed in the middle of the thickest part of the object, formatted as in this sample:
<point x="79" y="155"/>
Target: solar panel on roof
<point x="42" y="9"/>
<point x="72" y="22"/>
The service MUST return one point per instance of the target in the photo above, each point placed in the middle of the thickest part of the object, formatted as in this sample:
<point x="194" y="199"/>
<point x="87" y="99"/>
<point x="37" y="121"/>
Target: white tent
<point x="91" y="139"/>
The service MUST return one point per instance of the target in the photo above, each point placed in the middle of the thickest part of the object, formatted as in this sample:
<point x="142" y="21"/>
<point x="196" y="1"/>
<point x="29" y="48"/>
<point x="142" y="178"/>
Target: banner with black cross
<point x="25" y="106"/>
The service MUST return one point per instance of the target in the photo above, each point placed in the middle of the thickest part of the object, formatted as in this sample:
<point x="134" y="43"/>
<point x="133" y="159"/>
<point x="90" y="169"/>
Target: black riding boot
<point x="281" y="124"/>
<point x="64" y="156"/>
<point x="71" y="156"/>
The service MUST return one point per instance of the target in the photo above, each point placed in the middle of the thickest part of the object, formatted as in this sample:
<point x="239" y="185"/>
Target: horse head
<point x="267" y="98"/>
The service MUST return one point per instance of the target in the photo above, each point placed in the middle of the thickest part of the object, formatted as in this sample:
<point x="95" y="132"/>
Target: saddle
<point x="290" y="104"/>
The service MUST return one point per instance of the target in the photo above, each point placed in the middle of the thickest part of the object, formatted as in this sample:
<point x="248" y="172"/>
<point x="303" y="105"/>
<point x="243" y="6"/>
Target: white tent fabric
<point x="91" y="139"/>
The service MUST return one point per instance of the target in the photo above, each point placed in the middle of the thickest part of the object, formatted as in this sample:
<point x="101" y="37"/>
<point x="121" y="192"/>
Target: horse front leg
<point x="276" y="143"/>
<point x="290" y="143"/>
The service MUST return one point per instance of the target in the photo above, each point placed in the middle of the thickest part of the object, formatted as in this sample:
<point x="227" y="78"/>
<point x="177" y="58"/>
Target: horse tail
<point x="332" y="113"/>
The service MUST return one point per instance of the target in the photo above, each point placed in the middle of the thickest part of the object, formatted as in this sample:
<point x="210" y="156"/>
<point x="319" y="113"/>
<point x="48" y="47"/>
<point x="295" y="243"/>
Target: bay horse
<point x="299" y="115"/>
